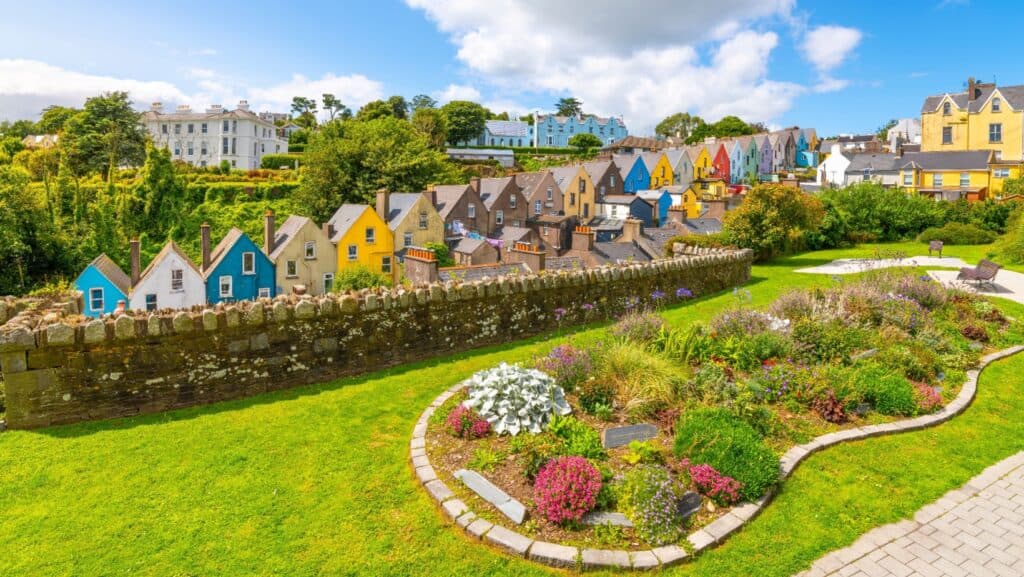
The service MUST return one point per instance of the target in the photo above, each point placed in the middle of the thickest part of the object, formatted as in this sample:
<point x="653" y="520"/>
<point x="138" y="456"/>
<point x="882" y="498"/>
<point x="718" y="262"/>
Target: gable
<point x="233" y="254"/>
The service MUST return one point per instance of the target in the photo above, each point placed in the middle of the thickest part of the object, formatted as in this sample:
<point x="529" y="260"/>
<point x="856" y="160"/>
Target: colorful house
<point x="238" y="270"/>
<point x="711" y="188"/>
<point x="633" y="172"/>
<point x="303" y="255"/>
<point x="578" y="191"/>
<point x="171" y="281"/>
<point x="750" y="159"/>
<point x="702" y="166"/>
<point x="505" y="203"/>
<point x="690" y="203"/>
<point x="412" y="219"/>
<point x="683" y="168"/>
<point x="103" y="285"/>
<point x="622" y="206"/>
<point x="949" y="175"/>
<point x="606" y="178"/>
<point x="660" y="201"/>
<point x="362" y="238"/>
<point x="556" y="131"/>
<point x="660" y="169"/>
<point x="541" y="193"/>
<point x="801" y="149"/>
<point x="460" y="207"/>
<point x="720" y="161"/>
<point x="766" y="161"/>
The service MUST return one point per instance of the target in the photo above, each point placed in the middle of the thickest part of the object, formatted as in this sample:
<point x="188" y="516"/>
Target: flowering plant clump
<point x="566" y="488"/>
<point x="515" y="399"/>
<point x="928" y="399"/>
<point x="721" y="489"/>
<point x="465" y="424"/>
<point x="639" y="327"/>
<point x="739" y="322"/>
<point x="567" y="364"/>
<point x="923" y="290"/>
<point x="650" y="498"/>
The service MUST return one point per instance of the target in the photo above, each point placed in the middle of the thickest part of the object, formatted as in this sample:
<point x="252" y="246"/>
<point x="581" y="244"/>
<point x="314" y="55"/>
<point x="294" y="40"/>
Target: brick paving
<point x="976" y="530"/>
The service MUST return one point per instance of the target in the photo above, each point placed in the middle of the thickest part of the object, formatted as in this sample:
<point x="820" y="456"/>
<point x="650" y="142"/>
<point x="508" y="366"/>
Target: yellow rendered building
<point x="948" y="175"/>
<point x="362" y="238"/>
<point x="703" y="166"/>
<point x="661" y="170"/>
<point x="578" y="192"/>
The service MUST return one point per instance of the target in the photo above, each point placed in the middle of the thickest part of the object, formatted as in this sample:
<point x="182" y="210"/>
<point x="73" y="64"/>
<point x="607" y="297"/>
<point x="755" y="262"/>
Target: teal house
<point x="238" y="270"/>
<point x="104" y="285"/>
<point x="804" y="157"/>
<point x="635" y="176"/>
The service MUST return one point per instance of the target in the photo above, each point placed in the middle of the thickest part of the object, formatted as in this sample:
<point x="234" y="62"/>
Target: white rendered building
<point x="206" y="138"/>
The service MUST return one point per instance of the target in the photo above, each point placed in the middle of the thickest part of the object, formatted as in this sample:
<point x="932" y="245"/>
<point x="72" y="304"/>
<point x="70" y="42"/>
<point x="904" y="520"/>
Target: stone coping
<point x="557" y="555"/>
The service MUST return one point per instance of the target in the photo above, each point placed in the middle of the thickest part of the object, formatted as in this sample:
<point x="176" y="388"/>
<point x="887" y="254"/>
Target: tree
<point x="678" y="125"/>
<point x="29" y="246"/>
<point x="759" y="127"/>
<point x="54" y="118"/>
<point x="466" y="120"/>
<point x="585" y="140"/>
<point x="304" y="110"/>
<point x="422" y="101"/>
<point x="159" y="198"/>
<point x="106" y="134"/>
<point x="501" y="116"/>
<point x="441" y="253"/>
<point x="333" y="106"/>
<point x="773" y="218"/>
<point x="570" y="106"/>
<point x="731" y="126"/>
<point x="883" y="130"/>
<point x="399" y="107"/>
<point x="700" y="132"/>
<point x="18" y="129"/>
<point x="433" y="124"/>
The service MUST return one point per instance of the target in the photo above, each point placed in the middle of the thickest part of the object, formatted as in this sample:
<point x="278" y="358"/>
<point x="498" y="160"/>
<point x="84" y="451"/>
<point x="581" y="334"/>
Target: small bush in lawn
<point x="578" y="438"/>
<point x="691" y="345"/>
<point x="594" y="393"/>
<point x="718" y="438"/>
<point x="649" y="497"/>
<point x="464" y="423"/>
<point x="639" y="327"/>
<point x="888" y="393"/>
<point x="567" y="364"/>
<point x="722" y="489"/>
<point x="644" y="381"/>
<point x="763" y="347"/>
<point x="957" y="233"/>
<point x="975" y="333"/>
<point x="566" y="488"/>
<point x="928" y="399"/>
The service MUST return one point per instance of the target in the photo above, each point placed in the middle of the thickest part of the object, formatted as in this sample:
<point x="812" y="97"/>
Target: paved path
<point x="976" y="530"/>
<point x="1008" y="284"/>
<point x="855" y="265"/>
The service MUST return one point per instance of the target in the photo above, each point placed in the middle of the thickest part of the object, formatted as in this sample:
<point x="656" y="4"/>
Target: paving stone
<point x="701" y="540"/>
<point x="454" y="508"/>
<point x="465" y="519"/>
<point x="670" y="554"/>
<point x="508" y="540"/>
<point x="438" y="490"/>
<point x="487" y="491"/>
<point x="604" y="558"/>
<point x="426" y="474"/>
<point x="553" y="554"/>
<point x="478" y="527"/>
<point x="644" y="560"/>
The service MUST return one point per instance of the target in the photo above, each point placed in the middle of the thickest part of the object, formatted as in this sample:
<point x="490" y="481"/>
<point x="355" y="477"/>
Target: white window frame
<point x="937" y="179"/>
<point x="353" y="252"/>
<point x="370" y="236"/>
<point x="551" y="193"/>
<point x="512" y="201"/>
<point x="965" y="179"/>
<point x="156" y="305"/>
<point x="996" y="105"/>
<point x="252" y="262"/>
<point x="177" y="280"/>
<point x="499" y="217"/>
<point x="328" y="282"/>
<point x="309" y="250"/>
<point x="385" y="264"/>
<point x="407" y="239"/>
<point x="471" y="210"/>
<point x="291" y="269"/>
<point x="537" y="207"/>
<point x="908" y="179"/>
<point x="226" y="281"/>
<point x="996" y="127"/>
<point x="263" y="293"/>
<point x="92" y="299"/>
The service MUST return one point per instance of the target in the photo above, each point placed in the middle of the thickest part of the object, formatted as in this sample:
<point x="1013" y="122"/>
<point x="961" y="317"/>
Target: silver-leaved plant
<point x="515" y="399"/>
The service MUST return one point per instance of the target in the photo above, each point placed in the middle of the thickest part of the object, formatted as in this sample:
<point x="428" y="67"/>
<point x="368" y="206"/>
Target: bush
<point x="721" y="489"/>
<point x="716" y="437"/>
<point x="639" y="327"/>
<point x="535" y="450"/>
<point x="773" y="218"/>
<point x="710" y="384"/>
<point x="465" y="424"/>
<point x="515" y="399"/>
<point x="595" y="393"/>
<point x="359" y="277"/>
<point x="827" y="341"/>
<point x="975" y="333"/>
<point x="644" y="382"/>
<point x="566" y="488"/>
<point x="567" y="364"/>
<point x="830" y="408"/>
<point x="928" y="399"/>
<point x="649" y="497"/>
<point x="644" y="452"/>
<point x="691" y="345"/>
<point x="279" y="161"/>
<point x="578" y="438"/>
<point x="738" y="322"/>
<point x="888" y="393"/>
<point x="957" y="233"/>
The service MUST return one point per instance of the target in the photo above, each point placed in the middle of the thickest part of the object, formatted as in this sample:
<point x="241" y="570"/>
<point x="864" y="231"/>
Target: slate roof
<point x="625" y="199"/>
<point x="597" y="168"/>
<point x="563" y="174"/>
<point x="529" y="181"/>
<point x="167" y="250"/>
<point x="399" y="205"/>
<point x="448" y="195"/>
<point x="651" y="194"/>
<point x="624" y="162"/>
<point x="1012" y="95"/>
<point x="607" y="224"/>
<point x="482" y="271"/>
<point x="703" y="225"/>
<point x="114" y="274"/>
<point x="875" y="162"/>
<point x="511" y="234"/>
<point x="618" y="252"/>
<point x="637" y="142"/>
<point x="651" y="159"/>
<point x="285" y="234"/>
<point x="468" y="245"/>
<point x="549" y="218"/>
<point x="344" y="217"/>
<point x="674" y="156"/>
<point x="564" y="263"/>
<point x="223" y="114"/>
<point x="507" y="127"/>
<point x="826" y="145"/>
<point x="490" y="189"/>
<point x="221" y="250"/>
<point x="744" y="141"/>
<point x="953" y="160"/>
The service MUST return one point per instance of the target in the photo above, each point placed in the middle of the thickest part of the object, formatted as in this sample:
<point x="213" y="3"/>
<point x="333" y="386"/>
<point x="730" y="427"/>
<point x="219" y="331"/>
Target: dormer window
<point x="996" y="104"/>
<point x="946" y="109"/>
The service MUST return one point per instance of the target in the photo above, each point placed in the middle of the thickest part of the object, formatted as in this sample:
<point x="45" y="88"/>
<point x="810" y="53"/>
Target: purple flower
<point x="657" y="295"/>
<point x="559" y="313"/>
<point x="683" y="292"/>
<point x="587" y="306"/>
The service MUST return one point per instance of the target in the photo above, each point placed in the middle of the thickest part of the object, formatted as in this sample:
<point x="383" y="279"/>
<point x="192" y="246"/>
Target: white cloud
<point x="828" y="84"/>
<point x="457" y="92"/>
<point x="618" y="59"/>
<point x="353" y="90"/>
<point x="826" y="47"/>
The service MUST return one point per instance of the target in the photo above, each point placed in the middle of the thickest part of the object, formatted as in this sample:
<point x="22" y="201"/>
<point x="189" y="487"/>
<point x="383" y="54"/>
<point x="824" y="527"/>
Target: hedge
<point x="957" y="233"/>
<point x="568" y="150"/>
<point x="239" y="191"/>
<point x="277" y="161"/>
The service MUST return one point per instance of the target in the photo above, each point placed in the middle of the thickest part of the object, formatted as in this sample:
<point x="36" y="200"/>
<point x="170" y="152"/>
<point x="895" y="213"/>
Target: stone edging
<point x="565" y="556"/>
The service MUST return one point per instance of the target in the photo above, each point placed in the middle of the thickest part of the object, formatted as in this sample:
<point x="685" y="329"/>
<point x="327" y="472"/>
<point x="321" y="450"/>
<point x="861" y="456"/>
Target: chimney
<point x="474" y="183"/>
<point x="420" y="265"/>
<point x="715" y="208"/>
<point x="243" y="105"/>
<point x="157" y="107"/>
<point x="268" y="232"/>
<point x="204" y="240"/>
<point x="677" y="213"/>
<point x="215" y="109"/>
<point x="383" y="204"/>
<point x="972" y="87"/>
<point x="529" y="255"/>
<point x="431" y="194"/>
<point x="183" y="109"/>
<point x="582" y="239"/>
<point x="632" y="229"/>
<point x="136" y="257"/>
<point x="328" y="229"/>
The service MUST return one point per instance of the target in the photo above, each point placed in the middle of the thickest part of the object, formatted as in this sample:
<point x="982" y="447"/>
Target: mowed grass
<point x="316" y="481"/>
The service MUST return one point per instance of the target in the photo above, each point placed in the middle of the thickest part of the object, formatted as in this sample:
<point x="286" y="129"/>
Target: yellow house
<point x="362" y="238"/>
<point x="703" y="165"/>
<point x="412" y="218"/>
<point x="660" y="168"/>
<point x="710" y="188"/>
<point x="691" y="203"/>
<point x="578" y="192"/>
<point x="948" y="175"/>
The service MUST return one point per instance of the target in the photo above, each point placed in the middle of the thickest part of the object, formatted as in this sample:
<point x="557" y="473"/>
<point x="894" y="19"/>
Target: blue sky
<point x="836" y="66"/>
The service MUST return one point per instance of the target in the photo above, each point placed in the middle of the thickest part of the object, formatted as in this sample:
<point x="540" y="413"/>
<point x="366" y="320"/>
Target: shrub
<point x="794" y="305"/>
<point x="644" y="382"/>
<point x="710" y="384"/>
<point x="773" y="218"/>
<point x="535" y="450"/>
<point x="279" y="161"/>
<point x="718" y="438"/>
<point x="721" y="489"/>
<point x="738" y="322"/>
<point x="904" y="313"/>
<point x="359" y="277"/>
<point x="923" y="290"/>
<point x="766" y="346"/>
<point x="914" y="362"/>
<point x="485" y="459"/>
<point x="643" y="452"/>
<point x="578" y="438"/>
<point x="566" y="488"/>
<point x="465" y="424"/>
<point x="713" y="240"/>
<point x="928" y="399"/>
<point x="649" y="497"/>
<point x="888" y="393"/>
<point x="596" y="393"/>
<point x="639" y="327"/>
<point x="567" y="364"/>
<point x="690" y="345"/>
<point x="515" y="399"/>
<point x="830" y="408"/>
<point x="827" y="341"/>
<point x="957" y="233"/>
<point x="975" y="333"/>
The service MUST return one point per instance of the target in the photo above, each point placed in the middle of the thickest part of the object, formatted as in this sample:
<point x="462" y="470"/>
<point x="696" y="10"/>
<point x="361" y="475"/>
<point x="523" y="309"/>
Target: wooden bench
<point x="983" y="273"/>
<point x="935" y="246"/>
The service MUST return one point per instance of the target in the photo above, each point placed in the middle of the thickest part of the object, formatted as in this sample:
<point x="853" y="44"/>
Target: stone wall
<point x="59" y="367"/>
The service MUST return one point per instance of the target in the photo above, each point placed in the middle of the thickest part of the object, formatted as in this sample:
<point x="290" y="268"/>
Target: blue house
<point x="660" y="201"/>
<point x="635" y="175"/>
<point x="803" y="158"/>
<point x="555" y="131"/>
<point x="503" y="133"/>
<point x="622" y="206"/>
<point x="238" y="270"/>
<point x="103" y="285"/>
<point x="736" y="161"/>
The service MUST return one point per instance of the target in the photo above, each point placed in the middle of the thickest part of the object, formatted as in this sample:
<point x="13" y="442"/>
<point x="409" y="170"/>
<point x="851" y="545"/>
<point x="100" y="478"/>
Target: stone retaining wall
<point x="59" y="367"/>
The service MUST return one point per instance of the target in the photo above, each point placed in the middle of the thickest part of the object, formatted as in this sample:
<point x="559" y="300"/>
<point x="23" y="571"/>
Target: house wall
<point x="607" y="183"/>
<point x="460" y="212"/>
<point x="511" y="216"/>
<point x="721" y="163"/>
<point x="552" y="205"/>
<point x="432" y="232"/>
<point x="662" y="174"/>
<point x="552" y="133"/>
<point x="1012" y="131"/>
<point x="61" y="372"/>
<point x="373" y="255"/>
<point x="158" y="282"/>
<point x="579" y="196"/>
<point x="833" y="170"/>
<point x="92" y="278"/>
<point x="311" y="272"/>
<point x="683" y="171"/>
<point x="702" y="165"/>
<point x="253" y="139"/>
<point x="243" y="286"/>
<point x="639" y="177"/>
<point x="933" y="122"/>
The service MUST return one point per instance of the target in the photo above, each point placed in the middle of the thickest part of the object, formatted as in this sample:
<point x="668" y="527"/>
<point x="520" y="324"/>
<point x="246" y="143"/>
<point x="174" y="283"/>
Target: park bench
<point x="935" y="246"/>
<point x="983" y="273"/>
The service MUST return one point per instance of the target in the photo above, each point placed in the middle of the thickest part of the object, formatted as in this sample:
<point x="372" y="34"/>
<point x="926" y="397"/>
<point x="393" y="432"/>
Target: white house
<point x="832" y="171"/>
<point x="170" y="281"/>
<point x="908" y="130"/>
<point x="206" y="138"/>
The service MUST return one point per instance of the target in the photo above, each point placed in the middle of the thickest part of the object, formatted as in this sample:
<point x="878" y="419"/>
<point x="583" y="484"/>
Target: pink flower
<point x="719" y="488"/>
<point x="464" y="423"/>
<point x="566" y="488"/>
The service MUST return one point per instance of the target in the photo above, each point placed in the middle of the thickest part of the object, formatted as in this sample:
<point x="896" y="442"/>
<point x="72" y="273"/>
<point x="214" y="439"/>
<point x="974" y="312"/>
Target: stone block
<point x="124" y="328"/>
<point x="508" y="540"/>
<point x="479" y="527"/>
<point x="259" y="342"/>
<point x="604" y="558"/>
<point x="606" y="518"/>
<point x="153" y="325"/>
<point x="305" y="310"/>
<point x="280" y="312"/>
<point x="349" y="304"/>
<point x="233" y="317"/>
<point x="60" y="335"/>
<point x="644" y="560"/>
<point x="95" y="332"/>
<point x="553" y="554"/>
<point x="454" y="508"/>
<point x="209" y="320"/>
<point x="13" y="362"/>
<point x="701" y="540"/>
<point x="670" y="554"/>
<point x="16" y="339"/>
<point x="465" y="519"/>
<point x="438" y="490"/>
<point x="182" y="323"/>
<point x="370" y="302"/>
<point x="325" y="345"/>
<point x="487" y="491"/>
<point x="254" y="316"/>
<point x="238" y="346"/>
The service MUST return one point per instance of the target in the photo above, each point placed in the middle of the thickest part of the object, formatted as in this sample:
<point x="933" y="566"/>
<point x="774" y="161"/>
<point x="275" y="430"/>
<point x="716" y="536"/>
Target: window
<point x="150" y="302"/>
<point x="191" y="128"/>
<point x="423" y="220"/>
<point x="946" y="109"/>
<point x="1001" y="173"/>
<point x="536" y="207"/>
<point x="225" y="286"/>
<point x="96" y="299"/>
<point x="203" y="128"/>
<point x="997" y="155"/>
<point x="202" y="149"/>
<point x="225" y="148"/>
<point x="163" y="128"/>
<point x="234" y="126"/>
<point x="177" y="279"/>
<point x="291" y="269"/>
<point x="234" y="149"/>
<point x="309" y="249"/>
<point x="995" y="132"/>
<point x="385" y="264"/>
<point x="177" y="129"/>
<point x="908" y="179"/>
<point x="965" y="179"/>
<point x="177" y="150"/>
<point x="407" y="239"/>
<point x="551" y="193"/>
<point x="996" y="104"/>
<point x="512" y="201"/>
<point x="471" y="210"/>
<point x="947" y="135"/>
<point x="586" y="210"/>
<point x="328" y="281"/>
<point x="544" y="231"/>
<point x="937" y="179"/>
<point x="499" y="217"/>
<point x="611" y="181"/>
<point x="191" y="149"/>
<point x="248" y="263"/>
<point x="550" y="140"/>
<point x="371" y="235"/>
<point x="572" y="199"/>
<point x="583" y="185"/>
<point x="264" y="292"/>
<point x="353" y="252"/>
<point x="225" y="126"/>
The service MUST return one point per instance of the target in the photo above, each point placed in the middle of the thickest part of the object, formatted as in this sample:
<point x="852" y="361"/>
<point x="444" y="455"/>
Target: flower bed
<point x="727" y="400"/>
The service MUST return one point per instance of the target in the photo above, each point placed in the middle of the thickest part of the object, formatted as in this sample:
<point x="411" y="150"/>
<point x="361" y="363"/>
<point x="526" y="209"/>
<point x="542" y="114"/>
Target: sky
<point x="839" y="67"/>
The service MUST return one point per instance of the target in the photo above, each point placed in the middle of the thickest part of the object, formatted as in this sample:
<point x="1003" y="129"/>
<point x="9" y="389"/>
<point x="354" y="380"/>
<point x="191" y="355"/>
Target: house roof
<point x="651" y="159"/>
<point x="468" y="245"/>
<point x="222" y="114"/>
<point x="1014" y="96"/>
<point x="651" y="194"/>
<point x="618" y="252"/>
<point x="703" y="225"/>
<point x="826" y="144"/>
<point x="550" y="218"/>
<point x="744" y="141"/>
<point x="597" y="168"/>
<point x="399" y="205"/>
<point x="953" y="160"/>
<point x="529" y="181"/>
<point x="478" y="152"/>
<point x="637" y="142"/>
<point x="507" y="127"/>
<point x="221" y="250"/>
<point x="482" y="271"/>
<point x="344" y="218"/>
<point x="514" y="233"/>
<point x="284" y="235"/>
<point x="606" y="224"/>
<point x="875" y="162"/>
<point x="169" y="249"/>
<point x="619" y="199"/>
<point x="564" y="263"/>
<point x="674" y="156"/>
<point x="624" y="162"/>
<point x="563" y="174"/>
<point x="447" y="196"/>
<point x="108" y="268"/>
<point x="490" y="189"/>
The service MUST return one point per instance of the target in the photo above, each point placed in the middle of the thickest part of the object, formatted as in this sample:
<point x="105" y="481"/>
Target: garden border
<point x="557" y="555"/>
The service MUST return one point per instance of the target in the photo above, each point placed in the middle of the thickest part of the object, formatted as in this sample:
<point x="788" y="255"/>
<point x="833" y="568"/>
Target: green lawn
<point x="316" y="481"/>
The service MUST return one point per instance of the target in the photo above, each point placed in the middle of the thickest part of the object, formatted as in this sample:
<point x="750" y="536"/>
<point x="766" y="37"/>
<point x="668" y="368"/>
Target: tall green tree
<point x="399" y="107"/>
<point x="54" y="118"/>
<point x="30" y="250"/>
<point x="585" y="140"/>
<point x="466" y="120"/>
<point x="773" y="218"/>
<point x="883" y="130"/>
<point x="160" y="194"/>
<point x="422" y="101"/>
<point x="104" y="135"/>
<point x="334" y="107"/>
<point x="304" y="110"/>
<point x="433" y="124"/>
<point x="569" y="106"/>
<point x="678" y="125"/>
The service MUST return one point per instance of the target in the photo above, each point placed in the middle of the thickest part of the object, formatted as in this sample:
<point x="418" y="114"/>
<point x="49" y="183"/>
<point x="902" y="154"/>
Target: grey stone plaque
<point x="689" y="504"/>
<point x="606" y="518"/>
<point x="620" y="436"/>
<point x="512" y="509"/>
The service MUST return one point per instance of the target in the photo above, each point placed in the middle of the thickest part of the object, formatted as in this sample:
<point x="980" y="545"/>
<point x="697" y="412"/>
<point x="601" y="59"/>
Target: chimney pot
<point x="328" y="229"/>
<point x="474" y="183"/>
<point x="583" y="239"/>
<point x="383" y="204"/>
<point x="136" y="258"/>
